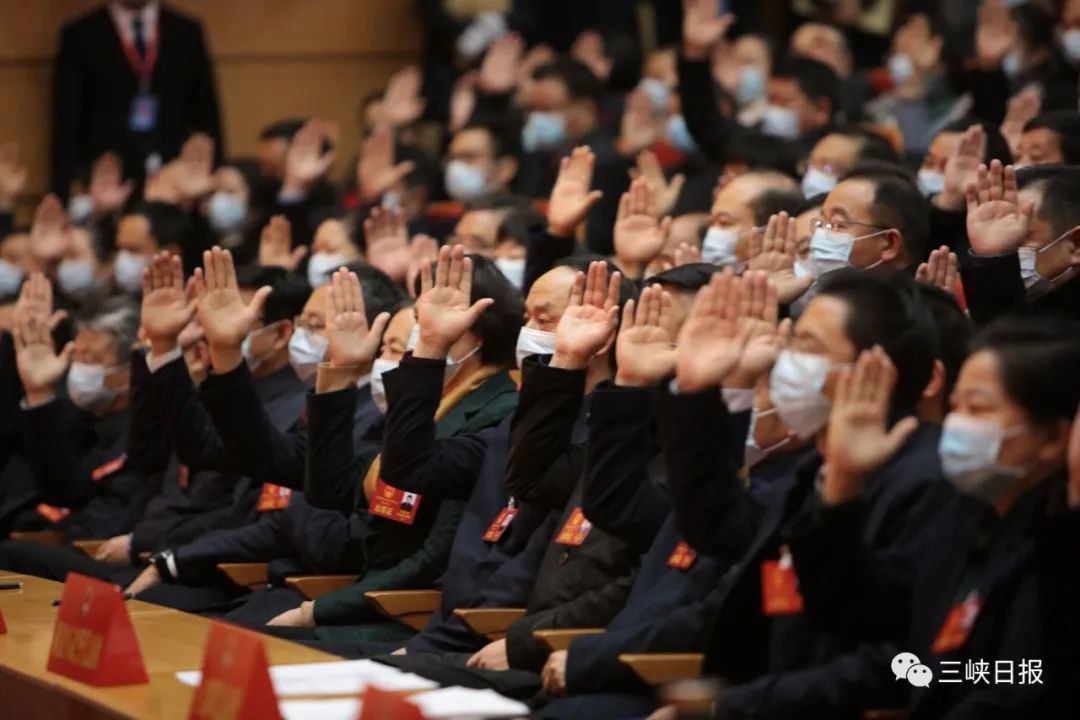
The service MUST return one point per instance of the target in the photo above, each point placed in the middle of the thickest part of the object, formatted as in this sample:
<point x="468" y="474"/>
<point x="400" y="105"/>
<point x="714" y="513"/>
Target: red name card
<point x="394" y="504"/>
<point x="3" y="625"/>
<point x="236" y="681"/>
<point x="376" y="704"/>
<point x="93" y="640"/>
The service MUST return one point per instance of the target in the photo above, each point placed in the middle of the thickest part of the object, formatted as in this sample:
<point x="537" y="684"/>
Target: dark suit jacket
<point x="993" y="287"/>
<point x="94" y="84"/>
<point x="1021" y="565"/>
<point x="398" y="556"/>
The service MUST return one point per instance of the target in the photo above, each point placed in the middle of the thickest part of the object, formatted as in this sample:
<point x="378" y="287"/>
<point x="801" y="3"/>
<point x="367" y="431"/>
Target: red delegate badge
<point x="957" y="626"/>
<point x="273" y="497"/>
<point x="113" y="466"/>
<point x="682" y="557"/>
<point x="236" y="681"/>
<point x="393" y="504"/>
<point x="575" y="530"/>
<point x="52" y="513"/>
<point x="501" y="522"/>
<point x="93" y="639"/>
<point x="780" y="586"/>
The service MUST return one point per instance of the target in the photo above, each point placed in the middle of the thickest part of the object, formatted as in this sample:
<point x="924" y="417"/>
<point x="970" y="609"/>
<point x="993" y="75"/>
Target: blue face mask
<point x="11" y="278"/>
<point x="751" y="85"/>
<point x="463" y="181"/>
<point x="969" y="449"/>
<point x="226" y="213"/>
<point x="1012" y="64"/>
<point x="76" y="278"/>
<point x="678" y="134"/>
<point x="543" y="131"/>
<point x="659" y="94"/>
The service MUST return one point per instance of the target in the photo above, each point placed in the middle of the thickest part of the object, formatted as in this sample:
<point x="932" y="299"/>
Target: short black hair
<point x="872" y="145"/>
<point x="772" y="201"/>
<point x="499" y="325"/>
<point x="1059" y="206"/>
<point x="283" y="129"/>
<point x="954" y="331"/>
<point x="816" y="80"/>
<point x="579" y="80"/>
<point x="689" y="277"/>
<point x="814" y="202"/>
<point x="503" y="142"/>
<point x="1035" y="24"/>
<point x="885" y="309"/>
<point x="1066" y="125"/>
<point x="1037" y="357"/>
<point x="168" y="223"/>
<point x="381" y="294"/>
<point x="997" y="147"/>
<point x="290" y="291"/>
<point x="519" y="224"/>
<point x="897" y="204"/>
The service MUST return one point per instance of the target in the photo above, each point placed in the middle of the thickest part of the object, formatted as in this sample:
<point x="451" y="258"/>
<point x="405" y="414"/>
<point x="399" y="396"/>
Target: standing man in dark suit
<point x="133" y="77"/>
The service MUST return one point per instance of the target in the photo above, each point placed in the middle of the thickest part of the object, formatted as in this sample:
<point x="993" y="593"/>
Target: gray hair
<point x="118" y="318"/>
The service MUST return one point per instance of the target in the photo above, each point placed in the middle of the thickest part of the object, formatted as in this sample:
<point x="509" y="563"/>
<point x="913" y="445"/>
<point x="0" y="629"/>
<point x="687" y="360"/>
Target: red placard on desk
<point x="236" y="681"/>
<point x="3" y="625"/>
<point x="93" y="639"/>
<point x="376" y="704"/>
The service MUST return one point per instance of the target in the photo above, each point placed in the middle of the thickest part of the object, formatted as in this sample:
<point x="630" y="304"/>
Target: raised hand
<point x="915" y="38"/>
<point x="773" y="252"/>
<point x="107" y="187"/>
<point x="665" y="192"/>
<point x="645" y="347"/>
<point x="305" y="162"/>
<point x="940" y="270"/>
<point x="961" y="168"/>
<point x="192" y="172"/>
<point x="571" y="198"/>
<point x="224" y="317"/>
<point x="858" y="440"/>
<point x="640" y="125"/>
<point x="587" y="328"/>
<point x="387" y="239"/>
<point x="40" y="367"/>
<point x="499" y="71"/>
<point x="12" y="175"/>
<point x="1022" y="107"/>
<point x="997" y="222"/>
<point x="423" y="250"/>
<point x="376" y="171"/>
<point x="275" y="245"/>
<point x="443" y="311"/>
<point x="702" y="28"/>
<point x="402" y="103"/>
<point x="687" y="254"/>
<point x="759" y="310"/>
<point x="712" y="339"/>
<point x="463" y="101"/>
<point x="36" y="301"/>
<point x="50" y="238"/>
<point x="351" y="343"/>
<point x="167" y="306"/>
<point x="638" y="236"/>
<point x="995" y="33"/>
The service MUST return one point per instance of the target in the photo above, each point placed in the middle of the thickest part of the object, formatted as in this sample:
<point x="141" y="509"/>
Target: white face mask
<point x="816" y="182"/>
<point x="1012" y="63"/>
<point x="780" y="122"/>
<point x="80" y="209"/>
<point x="679" y="135"/>
<point x="534" y="342"/>
<point x="831" y="250"/>
<point x="718" y="247"/>
<point x="543" y="131"/>
<point x="378" y="385"/>
<point x="86" y="387"/>
<point x="969" y="450"/>
<point x="226" y="212"/>
<point x="658" y="93"/>
<point x="795" y="386"/>
<point x="931" y="182"/>
<point x="513" y="269"/>
<point x="306" y="352"/>
<point x="1036" y="284"/>
<point x="463" y="181"/>
<point x="453" y="366"/>
<point x="128" y="271"/>
<point x="76" y="278"/>
<point x="901" y="68"/>
<point x="11" y="278"/>
<point x="754" y="453"/>
<point x="1070" y="44"/>
<point x="321" y="265"/>
<point x="245" y="347"/>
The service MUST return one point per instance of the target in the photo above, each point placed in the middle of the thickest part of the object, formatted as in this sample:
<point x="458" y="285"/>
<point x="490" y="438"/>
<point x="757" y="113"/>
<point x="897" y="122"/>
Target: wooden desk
<point x="170" y="641"/>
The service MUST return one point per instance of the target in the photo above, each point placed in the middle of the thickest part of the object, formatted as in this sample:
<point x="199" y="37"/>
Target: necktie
<point x="140" y="38"/>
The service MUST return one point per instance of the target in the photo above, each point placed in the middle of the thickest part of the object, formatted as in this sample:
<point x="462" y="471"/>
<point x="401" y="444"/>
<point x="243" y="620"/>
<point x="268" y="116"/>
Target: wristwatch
<point x="165" y="562"/>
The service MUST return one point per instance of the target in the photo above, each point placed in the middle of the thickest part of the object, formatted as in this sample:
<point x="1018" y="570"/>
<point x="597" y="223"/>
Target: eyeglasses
<point x="842" y="224"/>
<point x="309" y="324"/>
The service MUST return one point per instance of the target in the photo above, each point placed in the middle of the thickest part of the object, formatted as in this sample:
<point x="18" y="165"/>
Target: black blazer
<point x="94" y="85"/>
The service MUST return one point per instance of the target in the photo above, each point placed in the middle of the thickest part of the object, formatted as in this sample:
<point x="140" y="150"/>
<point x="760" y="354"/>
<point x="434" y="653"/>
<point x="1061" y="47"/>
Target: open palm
<point x="645" y="349"/>
<point x="570" y="197"/>
<point x="225" y="318"/>
<point x="351" y="343"/>
<point x="997" y="222"/>
<point x="711" y="341"/>
<point x="40" y="367"/>
<point x="638" y="235"/>
<point x="166" y="308"/>
<point x="588" y="323"/>
<point x="443" y="311"/>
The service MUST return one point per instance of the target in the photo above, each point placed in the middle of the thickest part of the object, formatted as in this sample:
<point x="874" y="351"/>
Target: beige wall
<point x="274" y="58"/>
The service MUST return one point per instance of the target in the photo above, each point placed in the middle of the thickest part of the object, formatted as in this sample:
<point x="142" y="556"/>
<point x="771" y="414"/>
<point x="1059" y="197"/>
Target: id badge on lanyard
<point x="143" y="115"/>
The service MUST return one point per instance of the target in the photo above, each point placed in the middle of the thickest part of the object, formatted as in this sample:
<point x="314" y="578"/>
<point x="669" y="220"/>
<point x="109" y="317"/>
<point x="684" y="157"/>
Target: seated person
<point x="1051" y="139"/>
<point x="481" y="162"/>
<point x="989" y="575"/>
<point x="838" y="152"/>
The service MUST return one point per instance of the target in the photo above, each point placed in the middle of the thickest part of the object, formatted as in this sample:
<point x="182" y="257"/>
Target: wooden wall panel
<point x="274" y="58"/>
